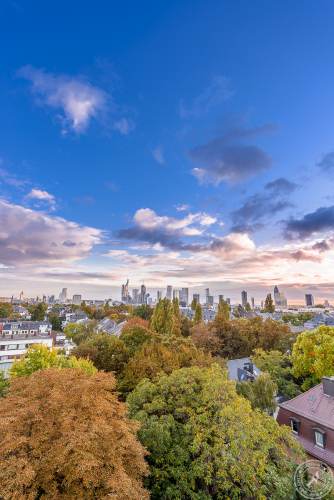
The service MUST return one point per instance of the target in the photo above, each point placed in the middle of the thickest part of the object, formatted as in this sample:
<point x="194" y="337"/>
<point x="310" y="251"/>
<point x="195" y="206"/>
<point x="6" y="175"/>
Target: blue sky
<point x="186" y="143"/>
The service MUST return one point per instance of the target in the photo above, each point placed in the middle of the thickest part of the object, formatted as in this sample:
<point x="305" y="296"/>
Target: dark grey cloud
<point x="260" y="206"/>
<point x="327" y="162"/>
<point x="168" y="239"/>
<point x="229" y="158"/>
<point x="318" y="221"/>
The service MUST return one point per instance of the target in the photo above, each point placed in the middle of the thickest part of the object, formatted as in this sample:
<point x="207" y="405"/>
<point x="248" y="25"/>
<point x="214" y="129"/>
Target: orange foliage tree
<point x="64" y="434"/>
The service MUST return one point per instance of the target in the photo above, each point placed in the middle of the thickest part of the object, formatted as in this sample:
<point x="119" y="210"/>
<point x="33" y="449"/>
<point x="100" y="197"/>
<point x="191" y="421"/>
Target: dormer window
<point x="320" y="438"/>
<point x="295" y="425"/>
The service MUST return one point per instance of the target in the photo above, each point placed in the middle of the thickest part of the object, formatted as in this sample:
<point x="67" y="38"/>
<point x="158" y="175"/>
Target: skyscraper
<point x="253" y="303"/>
<point x="63" y="295"/>
<point x="169" y="292"/>
<point x="135" y="296"/>
<point x="176" y="294"/>
<point x="184" y="296"/>
<point x="125" y="292"/>
<point x="244" y="298"/>
<point x="220" y="298"/>
<point x="159" y="295"/>
<point x="143" y="294"/>
<point x="309" y="300"/>
<point x="76" y="300"/>
<point x="196" y="298"/>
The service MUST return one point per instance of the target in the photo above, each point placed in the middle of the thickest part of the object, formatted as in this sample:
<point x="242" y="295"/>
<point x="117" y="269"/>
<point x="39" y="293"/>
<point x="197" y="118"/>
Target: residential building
<point x="310" y="416"/>
<point x="110" y="326"/>
<point x="242" y="370"/>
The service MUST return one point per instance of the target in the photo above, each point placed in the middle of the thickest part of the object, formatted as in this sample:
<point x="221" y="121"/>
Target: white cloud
<point x="158" y="155"/>
<point x="75" y="98"/>
<point x="43" y="196"/>
<point x="148" y="219"/>
<point x="29" y="238"/>
<point x="182" y="207"/>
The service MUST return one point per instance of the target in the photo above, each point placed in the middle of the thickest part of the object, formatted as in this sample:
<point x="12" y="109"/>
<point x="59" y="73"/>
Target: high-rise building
<point x="309" y="300"/>
<point x="196" y="298"/>
<point x="279" y="298"/>
<point x="244" y="298"/>
<point x="143" y="294"/>
<point x="169" y="292"/>
<point x="63" y="295"/>
<point x="184" y="297"/>
<point x="76" y="300"/>
<point x="253" y="303"/>
<point x="176" y="294"/>
<point x="159" y="295"/>
<point x="209" y="300"/>
<point x="125" y="292"/>
<point x="135" y="296"/>
<point x="228" y="301"/>
<point x="220" y="298"/>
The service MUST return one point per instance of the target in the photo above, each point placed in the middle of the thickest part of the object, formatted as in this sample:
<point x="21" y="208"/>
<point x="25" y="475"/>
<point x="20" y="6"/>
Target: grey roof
<point x="233" y="365"/>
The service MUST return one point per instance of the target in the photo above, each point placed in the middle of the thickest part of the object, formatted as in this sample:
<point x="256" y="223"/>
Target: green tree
<point x="248" y="307"/>
<point x="205" y="442"/>
<point x="313" y="355"/>
<point x="269" y="304"/>
<point x="4" y="385"/>
<point x="279" y="366"/>
<point x="223" y="313"/>
<point x="134" y="334"/>
<point x="198" y="314"/>
<point x="105" y="351"/>
<point x="194" y="303"/>
<point x="163" y="319"/>
<point x="39" y="357"/>
<point x="143" y="311"/>
<point x="6" y="310"/>
<point x="261" y="392"/>
<point x="38" y="311"/>
<point x="64" y="434"/>
<point x="80" y="332"/>
<point x="55" y="321"/>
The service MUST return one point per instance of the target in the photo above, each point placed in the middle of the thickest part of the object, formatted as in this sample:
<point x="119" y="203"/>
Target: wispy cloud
<point x="10" y="179"/>
<point x="77" y="101"/>
<point x="124" y="126"/>
<point x="158" y="155"/>
<point x="218" y="91"/>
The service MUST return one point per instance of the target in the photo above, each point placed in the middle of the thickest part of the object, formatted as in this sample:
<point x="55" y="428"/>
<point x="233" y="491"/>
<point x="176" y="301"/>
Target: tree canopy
<point x="313" y="355"/>
<point x="40" y="357"/>
<point x="205" y="441"/>
<point x="261" y="392"/>
<point x="6" y="310"/>
<point x="64" y="434"/>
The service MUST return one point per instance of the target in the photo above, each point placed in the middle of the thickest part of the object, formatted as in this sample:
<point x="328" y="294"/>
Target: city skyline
<point x="167" y="149"/>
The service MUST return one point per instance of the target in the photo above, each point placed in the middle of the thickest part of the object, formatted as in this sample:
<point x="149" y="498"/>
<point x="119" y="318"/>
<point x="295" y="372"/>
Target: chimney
<point x="328" y="386"/>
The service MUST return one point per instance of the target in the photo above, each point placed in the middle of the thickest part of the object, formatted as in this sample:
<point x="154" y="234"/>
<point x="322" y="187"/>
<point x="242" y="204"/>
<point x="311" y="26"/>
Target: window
<point x="11" y="347"/>
<point x="295" y="425"/>
<point x="319" y="437"/>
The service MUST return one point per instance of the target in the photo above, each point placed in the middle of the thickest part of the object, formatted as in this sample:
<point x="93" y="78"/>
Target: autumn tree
<point x="106" y="352"/>
<point x="269" y="304"/>
<point x="261" y="392"/>
<point x="4" y="384"/>
<point x="162" y="355"/>
<point x="68" y="437"/>
<point x="40" y="357"/>
<point x="205" y="338"/>
<point x="194" y="303"/>
<point x="205" y="442"/>
<point x="185" y="326"/>
<point x="6" y="310"/>
<point x="313" y="355"/>
<point x="223" y="313"/>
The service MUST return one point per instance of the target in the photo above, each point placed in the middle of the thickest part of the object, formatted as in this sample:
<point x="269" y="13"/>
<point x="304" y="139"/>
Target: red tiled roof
<point x="314" y="405"/>
<point x="324" y="454"/>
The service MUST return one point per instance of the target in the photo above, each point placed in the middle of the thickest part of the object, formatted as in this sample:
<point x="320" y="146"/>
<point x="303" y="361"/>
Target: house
<point x="110" y="326"/>
<point x="311" y="418"/>
<point x="242" y="370"/>
<point x="17" y="336"/>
